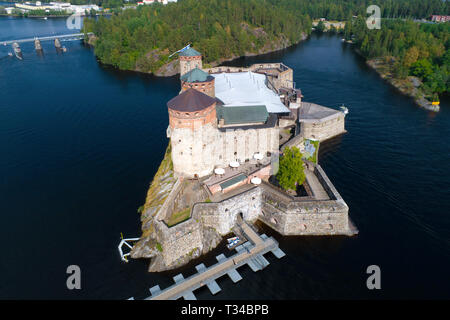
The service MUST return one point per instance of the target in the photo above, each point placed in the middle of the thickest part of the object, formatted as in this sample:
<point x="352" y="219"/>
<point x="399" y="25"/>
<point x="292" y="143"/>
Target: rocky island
<point x="227" y="129"/>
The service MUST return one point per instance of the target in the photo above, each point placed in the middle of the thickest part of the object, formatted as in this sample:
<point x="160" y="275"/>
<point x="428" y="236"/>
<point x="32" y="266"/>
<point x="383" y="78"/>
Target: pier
<point x="250" y="253"/>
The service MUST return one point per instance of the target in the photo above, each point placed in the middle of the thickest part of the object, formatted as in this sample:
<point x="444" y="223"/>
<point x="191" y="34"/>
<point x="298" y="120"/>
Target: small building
<point x="81" y="9"/>
<point x="440" y="18"/>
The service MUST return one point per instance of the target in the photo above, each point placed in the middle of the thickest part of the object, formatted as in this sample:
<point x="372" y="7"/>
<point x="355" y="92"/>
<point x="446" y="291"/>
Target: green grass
<point x="179" y="216"/>
<point x="159" y="247"/>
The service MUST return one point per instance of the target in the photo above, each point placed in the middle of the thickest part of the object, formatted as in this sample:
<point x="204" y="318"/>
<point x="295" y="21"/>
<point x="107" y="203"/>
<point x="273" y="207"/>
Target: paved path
<point x="316" y="187"/>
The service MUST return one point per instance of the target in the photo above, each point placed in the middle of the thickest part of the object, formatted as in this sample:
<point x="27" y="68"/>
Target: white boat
<point x="232" y="244"/>
<point x="344" y="109"/>
<point x="232" y="239"/>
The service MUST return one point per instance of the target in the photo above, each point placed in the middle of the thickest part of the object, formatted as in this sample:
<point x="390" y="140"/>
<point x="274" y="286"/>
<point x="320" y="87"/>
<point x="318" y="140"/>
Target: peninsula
<point x="228" y="128"/>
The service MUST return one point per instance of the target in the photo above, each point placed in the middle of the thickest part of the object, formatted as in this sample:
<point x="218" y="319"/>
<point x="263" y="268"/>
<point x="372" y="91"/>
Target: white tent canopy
<point x="234" y="164"/>
<point x="256" y="180"/>
<point x="247" y="89"/>
<point x="219" y="171"/>
<point x="258" y="156"/>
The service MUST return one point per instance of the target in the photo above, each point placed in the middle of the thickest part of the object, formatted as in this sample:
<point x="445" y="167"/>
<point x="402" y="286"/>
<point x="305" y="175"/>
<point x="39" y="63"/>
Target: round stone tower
<point x="192" y="130"/>
<point x="189" y="59"/>
<point x="199" y="80"/>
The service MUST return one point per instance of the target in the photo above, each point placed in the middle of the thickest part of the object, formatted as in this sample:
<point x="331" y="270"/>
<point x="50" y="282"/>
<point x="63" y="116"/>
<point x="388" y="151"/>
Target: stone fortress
<point x="227" y="127"/>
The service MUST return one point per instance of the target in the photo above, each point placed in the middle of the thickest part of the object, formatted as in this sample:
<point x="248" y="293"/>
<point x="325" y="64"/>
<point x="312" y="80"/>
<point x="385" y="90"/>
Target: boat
<point x="344" y="109"/>
<point x="17" y="51"/>
<point x="232" y="239"/>
<point x="233" y="243"/>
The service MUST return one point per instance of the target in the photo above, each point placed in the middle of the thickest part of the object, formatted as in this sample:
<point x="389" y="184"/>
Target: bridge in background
<point x="73" y="36"/>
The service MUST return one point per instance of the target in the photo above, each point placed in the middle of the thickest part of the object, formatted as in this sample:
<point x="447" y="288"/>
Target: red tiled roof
<point x="190" y="100"/>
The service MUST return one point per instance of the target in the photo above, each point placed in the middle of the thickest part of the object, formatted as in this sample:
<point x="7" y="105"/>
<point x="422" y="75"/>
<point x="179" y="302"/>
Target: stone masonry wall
<point x="197" y="152"/>
<point x="222" y="216"/>
<point x="323" y="130"/>
<point x="189" y="63"/>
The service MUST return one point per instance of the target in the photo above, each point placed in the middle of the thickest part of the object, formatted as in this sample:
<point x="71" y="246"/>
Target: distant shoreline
<point x="408" y="86"/>
<point x="47" y="16"/>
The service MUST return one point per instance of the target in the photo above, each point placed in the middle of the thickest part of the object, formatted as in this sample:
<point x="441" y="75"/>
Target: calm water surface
<point x="79" y="145"/>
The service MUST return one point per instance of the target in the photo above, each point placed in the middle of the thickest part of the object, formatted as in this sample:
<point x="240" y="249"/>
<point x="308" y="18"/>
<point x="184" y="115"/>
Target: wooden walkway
<point x="250" y="253"/>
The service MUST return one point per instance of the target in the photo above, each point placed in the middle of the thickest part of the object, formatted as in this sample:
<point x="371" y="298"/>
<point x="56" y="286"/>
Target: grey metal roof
<point x="190" y="52"/>
<point x="242" y="114"/>
<point x="196" y="75"/>
<point x="311" y="112"/>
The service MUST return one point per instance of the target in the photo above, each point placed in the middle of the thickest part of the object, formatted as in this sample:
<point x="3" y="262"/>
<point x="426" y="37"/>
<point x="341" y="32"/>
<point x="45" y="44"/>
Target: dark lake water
<point x="80" y="142"/>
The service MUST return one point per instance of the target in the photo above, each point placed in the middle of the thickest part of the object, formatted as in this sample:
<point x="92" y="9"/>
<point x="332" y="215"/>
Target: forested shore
<point x="413" y="56"/>
<point x="142" y="39"/>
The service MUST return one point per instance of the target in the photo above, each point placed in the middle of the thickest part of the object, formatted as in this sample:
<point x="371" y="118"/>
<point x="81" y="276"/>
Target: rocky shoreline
<point x="409" y="86"/>
<point x="151" y="244"/>
<point x="172" y="68"/>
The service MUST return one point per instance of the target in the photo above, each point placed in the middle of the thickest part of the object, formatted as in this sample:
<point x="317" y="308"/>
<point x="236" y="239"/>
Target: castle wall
<point x="198" y="151"/>
<point x="189" y="63"/>
<point x="240" y="145"/>
<point x="222" y="216"/>
<point x="283" y="79"/>
<point x="180" y="241"/>
<point x="296" y="216"/>
<point x="323" y="130"/>
<point x="206" y="87"/>
<point x="192" y="150"/>
<point x="192" y="120"/>
<point x="285" y="214"/>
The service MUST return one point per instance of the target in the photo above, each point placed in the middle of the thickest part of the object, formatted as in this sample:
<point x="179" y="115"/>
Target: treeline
<point x="416" y="49"/>
<point x="143" y="38"/>
<point x="344" y="9"/>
